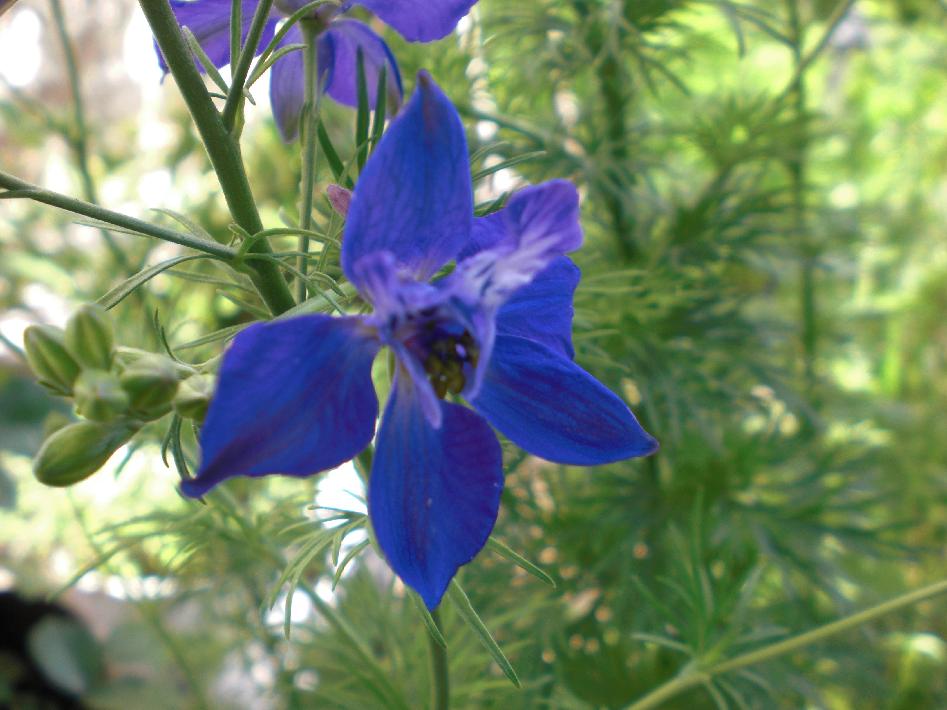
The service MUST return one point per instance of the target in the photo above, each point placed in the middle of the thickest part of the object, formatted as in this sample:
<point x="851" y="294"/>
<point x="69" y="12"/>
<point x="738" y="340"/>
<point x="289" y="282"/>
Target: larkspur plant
<point x="471" y="308"/>
<point x="340" y="41"/>
<point x="296" y="396"/>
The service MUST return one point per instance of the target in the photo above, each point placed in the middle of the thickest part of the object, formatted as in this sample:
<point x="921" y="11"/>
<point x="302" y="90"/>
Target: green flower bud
<point x="90" y="337"/>
<point x="151" y="382"/>
<point x="47" y="355"/>
<point x="78" y="450"/>
<point x="99" y="395"/>
<point x="194" y="396"/>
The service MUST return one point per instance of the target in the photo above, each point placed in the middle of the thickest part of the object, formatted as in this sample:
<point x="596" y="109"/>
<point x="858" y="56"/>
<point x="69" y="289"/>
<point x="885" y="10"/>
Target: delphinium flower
<point x="338" y="44"/>
<point x="295" y="396"/>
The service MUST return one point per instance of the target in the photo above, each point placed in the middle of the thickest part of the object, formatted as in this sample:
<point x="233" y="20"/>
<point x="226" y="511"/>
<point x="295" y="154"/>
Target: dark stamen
<point x="447" y="356"/>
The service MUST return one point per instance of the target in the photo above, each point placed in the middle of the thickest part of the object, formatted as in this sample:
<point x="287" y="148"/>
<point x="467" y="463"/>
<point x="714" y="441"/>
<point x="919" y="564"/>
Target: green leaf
<point x="463" y="606"/>
<point x="508" y="163"/>
<point x="482" y="209"/>
<point x="332" y="155"/>
<point x="505" y="551"/>
<point x="205" y="61"/>
<point x="381" y="106"/>
<point x="428" y="620"/>
<point x="362" y="116"/>
<point x="262" y="67"/>
<point x="129" y="285"/>
<point x="222" y="334"/>
<point x="304" y="11"/>
<point x="236" y="25"/>
<point x="186" y="222"/>
<point x="351" y="555"/>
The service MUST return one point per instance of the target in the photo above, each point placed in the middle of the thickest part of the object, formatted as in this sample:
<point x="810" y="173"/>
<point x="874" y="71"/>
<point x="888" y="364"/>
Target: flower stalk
<point x="308" y="142"/>
<point x="21" y="189"/>
<point x="221" y="147"/>
<point x="77" y="135"/>
<point x="241" y="68"/>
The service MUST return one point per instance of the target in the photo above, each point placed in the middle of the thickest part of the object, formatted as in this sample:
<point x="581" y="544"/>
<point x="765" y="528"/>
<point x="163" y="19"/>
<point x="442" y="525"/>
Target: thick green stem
<point x="242" y="66"/>
<point x="26" y="190"/>
<point x="614" y="86"/>
<point x="221" y="148"/>
<point x="694" y="675"/>
<point x="440" y="677"/>
<point x="308" y="142"/>
<point x="808" y="250"/>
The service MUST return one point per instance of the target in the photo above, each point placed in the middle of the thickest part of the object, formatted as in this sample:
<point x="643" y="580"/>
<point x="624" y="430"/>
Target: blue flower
<point x="338" y="45"/>
<point x="296" y="395"/>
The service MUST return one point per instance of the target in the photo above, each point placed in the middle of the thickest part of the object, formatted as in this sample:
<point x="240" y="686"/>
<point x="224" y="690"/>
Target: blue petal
<point x="209" y="20"/>
<point x="434" y="494"/>
<point x="287" y="87"/>
<point x="414" y="198"/>
<point x="420" y="20"/>
<point x="542" y="310"/>
<point x="295" y="397"/>
<point x="511" y="247"/>
<point x="338" y="48"/>
<point x="486" y="233"/>
<point x="554" y="409"/>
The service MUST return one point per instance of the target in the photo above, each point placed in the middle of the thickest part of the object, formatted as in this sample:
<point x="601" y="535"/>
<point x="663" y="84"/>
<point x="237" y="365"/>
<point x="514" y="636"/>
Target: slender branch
<point x="802" y="65"/>
<point x="308" y="142"/>
<point x="221" y="148"/>
<point x="440" y="678"/>
<point x="796" y="165"/>
<point x="242" y="67"/>
<point x="23" y="189"/>
<point x="693" y="675"/>
<point x="77" y="135"/>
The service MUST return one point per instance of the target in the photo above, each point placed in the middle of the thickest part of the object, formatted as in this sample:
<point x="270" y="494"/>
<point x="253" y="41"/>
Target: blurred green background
<point x="764" y="279"/>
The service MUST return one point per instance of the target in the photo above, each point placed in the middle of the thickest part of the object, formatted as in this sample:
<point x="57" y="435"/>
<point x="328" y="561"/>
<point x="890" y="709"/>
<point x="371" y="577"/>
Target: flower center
<point x="446" y="349"/>
<point x="446" y="360"/>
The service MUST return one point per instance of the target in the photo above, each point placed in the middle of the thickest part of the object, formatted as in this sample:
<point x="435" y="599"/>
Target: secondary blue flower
<point x="296" y="395"/>
<point x="338" y="45"/>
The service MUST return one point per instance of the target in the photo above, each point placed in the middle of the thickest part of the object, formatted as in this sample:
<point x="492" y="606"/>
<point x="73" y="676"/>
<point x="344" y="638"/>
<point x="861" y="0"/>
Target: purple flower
<point x="338" y="45"/>
<point x="296" y="396"/>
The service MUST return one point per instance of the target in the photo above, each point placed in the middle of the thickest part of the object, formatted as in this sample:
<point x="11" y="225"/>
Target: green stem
<point x="693" y="675"/>
<point x="221" y="148"/>
<point x="440" y="677"/>
<point x="308" y="142"/>
<point x="241" y="68"/>
<point x="77" y="137"/>
<point x="802" y="65"/>
<point x="796" y="164"/>
<point x="615" y="89"/>
<point x="23" y="189"/>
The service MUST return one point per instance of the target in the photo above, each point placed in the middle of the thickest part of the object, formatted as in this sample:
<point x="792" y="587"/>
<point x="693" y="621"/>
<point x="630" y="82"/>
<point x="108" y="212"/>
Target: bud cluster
<point x="115" y="392"/>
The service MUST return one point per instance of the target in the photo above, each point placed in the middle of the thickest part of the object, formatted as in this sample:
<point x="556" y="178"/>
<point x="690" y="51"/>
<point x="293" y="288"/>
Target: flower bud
<point x="194" y="396"/>
<point x="339" y="198"/>
<point x="48" y="358"/>
<point x="78" y="450"/>
<point x="90" y="337"/>
<point x="151" y="382"/>
<point x="99" y="395"/>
